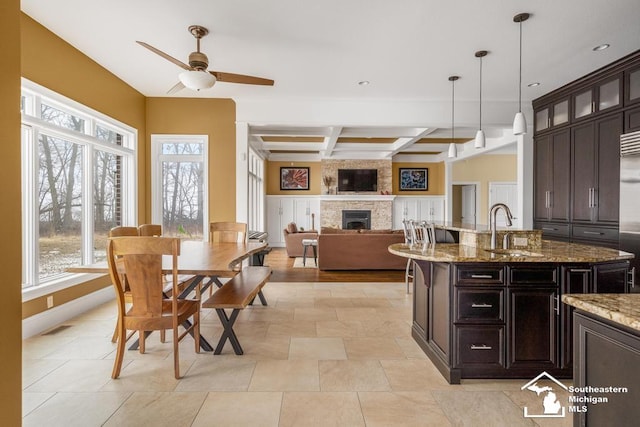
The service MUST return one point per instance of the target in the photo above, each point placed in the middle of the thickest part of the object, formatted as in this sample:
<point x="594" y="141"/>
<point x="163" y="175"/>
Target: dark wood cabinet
<point x="611" y="278"/>
<point x="575" y="280"/>
<point x="503" y="320"/>
<point x="533" y="322"/>
<point x="602" y="106"/>
<point x="607" y="355"/>
<point x="552" y="177"/>
<point x="596" y="170"/>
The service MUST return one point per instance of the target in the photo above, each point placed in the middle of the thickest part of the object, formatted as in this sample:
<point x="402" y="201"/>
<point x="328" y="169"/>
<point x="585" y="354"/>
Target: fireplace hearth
<point x="356" y="219"/>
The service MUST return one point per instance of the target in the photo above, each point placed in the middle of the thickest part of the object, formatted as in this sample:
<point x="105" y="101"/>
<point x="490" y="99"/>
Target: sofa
<point x="359" y="249"/>
<point x="293" y="239"/>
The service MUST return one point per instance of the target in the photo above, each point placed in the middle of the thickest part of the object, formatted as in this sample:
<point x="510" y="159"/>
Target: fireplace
<point x="356" y="219"/>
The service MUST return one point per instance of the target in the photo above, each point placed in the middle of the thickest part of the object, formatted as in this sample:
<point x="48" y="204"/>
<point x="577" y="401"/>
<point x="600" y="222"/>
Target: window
<point x="78" y="182"/>
<point x="179" y="198"/>
<point x="255" y="217"/>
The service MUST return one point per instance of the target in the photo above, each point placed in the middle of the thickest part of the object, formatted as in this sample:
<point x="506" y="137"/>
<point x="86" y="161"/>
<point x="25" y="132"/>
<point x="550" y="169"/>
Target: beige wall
<point x="273" y="178"/>
<point x="215" y="118"/>
<point x="435" y="177"/>
<point x="484" y="169"/>
<point x="10" y="303"/>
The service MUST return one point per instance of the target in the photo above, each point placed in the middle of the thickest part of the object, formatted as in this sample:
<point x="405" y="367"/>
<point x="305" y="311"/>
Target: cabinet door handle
<point x="597" y="233"/>
<point x="556" y="303"/>
<point x="481" y="347"/>
<point x="632" y="275"/>
<point x="593" y="106"/>
<point x="547" y="202"/>
<point x="481" y="276"/>
<point x="481" y="305"/>
<point x="593" y="198"/>
<point x="580" y="270"/>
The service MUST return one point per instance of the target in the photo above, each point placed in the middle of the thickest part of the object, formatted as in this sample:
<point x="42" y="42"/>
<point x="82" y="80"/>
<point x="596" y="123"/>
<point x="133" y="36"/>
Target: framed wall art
<point x="294" y="178"/>
<point x="414" y="179"/>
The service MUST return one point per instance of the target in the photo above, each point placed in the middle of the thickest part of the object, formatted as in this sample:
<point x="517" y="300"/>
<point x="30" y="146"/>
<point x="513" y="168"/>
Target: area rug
<point x="297" y="263"/>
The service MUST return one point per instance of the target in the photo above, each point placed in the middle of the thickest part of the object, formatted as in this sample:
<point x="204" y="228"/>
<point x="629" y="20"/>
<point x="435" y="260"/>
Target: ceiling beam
<point x="403" y="143"/>
<point x="330" y="141"/>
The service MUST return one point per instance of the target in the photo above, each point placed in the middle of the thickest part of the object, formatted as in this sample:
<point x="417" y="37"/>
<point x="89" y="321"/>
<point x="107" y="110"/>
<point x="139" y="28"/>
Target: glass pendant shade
<point x="453" y="151"/>
<point x="479" y="142"/>
<point x="519" y="124"/>
<point x="196" y="80"/>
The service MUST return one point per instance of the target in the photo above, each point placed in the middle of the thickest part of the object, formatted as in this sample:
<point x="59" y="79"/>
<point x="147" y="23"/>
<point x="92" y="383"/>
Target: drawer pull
<point x="474" y="305"/>
<point x="481" y="347"/>
<point x="549" y="228"/>
<point x="481" y="276"/>
<point x="597" y="233"/>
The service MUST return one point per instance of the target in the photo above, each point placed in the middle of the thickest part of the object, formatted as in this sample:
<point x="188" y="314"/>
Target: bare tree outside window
<point x="182" y="191"/>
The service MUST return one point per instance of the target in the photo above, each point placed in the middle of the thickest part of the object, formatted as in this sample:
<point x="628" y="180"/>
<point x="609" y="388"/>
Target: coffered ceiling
<point x="318" y="52"/>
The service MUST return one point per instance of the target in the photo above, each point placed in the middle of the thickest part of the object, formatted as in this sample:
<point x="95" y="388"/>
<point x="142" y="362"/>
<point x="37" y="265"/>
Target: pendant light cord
<point x="520" y="73"/>
<point x="453" y="97"/>
<point x="480" y="93"/>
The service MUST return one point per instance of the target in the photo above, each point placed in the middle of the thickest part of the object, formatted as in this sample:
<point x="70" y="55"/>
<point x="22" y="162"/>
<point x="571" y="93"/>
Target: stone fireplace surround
<point x="332" y="204"/>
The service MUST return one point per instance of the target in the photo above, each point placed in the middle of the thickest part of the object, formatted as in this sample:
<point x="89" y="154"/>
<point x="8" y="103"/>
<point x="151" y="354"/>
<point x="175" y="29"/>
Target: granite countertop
<point x="550" y="251"/>
<point x="620" y="308"/>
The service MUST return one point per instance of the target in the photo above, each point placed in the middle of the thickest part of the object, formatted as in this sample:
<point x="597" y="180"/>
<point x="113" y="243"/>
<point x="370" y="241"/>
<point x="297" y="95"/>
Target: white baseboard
<point x="47" y="319"/>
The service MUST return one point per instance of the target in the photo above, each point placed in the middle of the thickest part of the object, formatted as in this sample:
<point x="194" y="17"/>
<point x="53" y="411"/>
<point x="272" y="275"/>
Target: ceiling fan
<point x="196" y="76"/>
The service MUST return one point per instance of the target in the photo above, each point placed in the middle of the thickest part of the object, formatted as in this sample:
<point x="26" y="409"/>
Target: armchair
<point x="293" y="239"/>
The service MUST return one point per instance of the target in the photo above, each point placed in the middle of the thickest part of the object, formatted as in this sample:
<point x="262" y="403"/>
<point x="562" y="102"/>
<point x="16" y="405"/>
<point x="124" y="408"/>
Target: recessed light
<point x="601" y="47"/>
<point x="364" y="82"/>
<point x="534" y="84"/>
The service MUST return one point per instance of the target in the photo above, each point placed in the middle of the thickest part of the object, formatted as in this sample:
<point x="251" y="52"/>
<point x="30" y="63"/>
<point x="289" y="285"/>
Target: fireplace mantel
<point x="357" y="197"/>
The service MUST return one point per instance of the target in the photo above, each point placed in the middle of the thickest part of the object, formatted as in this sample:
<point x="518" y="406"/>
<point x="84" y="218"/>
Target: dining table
<point x="205" y="261"/>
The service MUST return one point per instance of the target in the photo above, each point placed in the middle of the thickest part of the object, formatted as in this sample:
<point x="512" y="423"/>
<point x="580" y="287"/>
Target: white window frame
<point x="156" y="173"/>
<point x="32" y="126"/>
<point x="256" y="193"/>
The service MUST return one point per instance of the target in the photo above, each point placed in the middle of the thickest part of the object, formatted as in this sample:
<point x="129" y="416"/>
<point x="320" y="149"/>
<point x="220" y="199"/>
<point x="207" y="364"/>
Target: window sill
<point x="56" y="285"/>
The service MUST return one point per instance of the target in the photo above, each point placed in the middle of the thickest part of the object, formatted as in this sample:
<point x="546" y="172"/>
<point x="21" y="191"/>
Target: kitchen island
<point x="607" y="358"/>
<point x="481" y="313"/>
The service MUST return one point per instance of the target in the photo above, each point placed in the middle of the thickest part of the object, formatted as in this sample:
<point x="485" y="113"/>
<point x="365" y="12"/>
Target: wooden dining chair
<point x="228" y="232"/>
<point x="150" y="230"/>
<point x="121" y="231"/>
<point x="150" y="309"/>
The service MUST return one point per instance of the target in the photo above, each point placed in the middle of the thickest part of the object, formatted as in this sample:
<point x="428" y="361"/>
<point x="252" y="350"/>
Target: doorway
<point x="507" y="193"/>
<point x="464" y="204"/>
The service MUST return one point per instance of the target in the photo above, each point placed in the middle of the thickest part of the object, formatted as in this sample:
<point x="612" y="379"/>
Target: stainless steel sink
<point x="514" y="253"/>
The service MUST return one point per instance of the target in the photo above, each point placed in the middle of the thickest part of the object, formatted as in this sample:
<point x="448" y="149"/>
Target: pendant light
<point x="453" y="151"/>
<point x="480" y="139"/>
<point x="519" y="122"/>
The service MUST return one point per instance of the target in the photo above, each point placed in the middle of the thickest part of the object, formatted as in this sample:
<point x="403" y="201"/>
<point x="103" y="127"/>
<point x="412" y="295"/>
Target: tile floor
<point x="321" y="354"/>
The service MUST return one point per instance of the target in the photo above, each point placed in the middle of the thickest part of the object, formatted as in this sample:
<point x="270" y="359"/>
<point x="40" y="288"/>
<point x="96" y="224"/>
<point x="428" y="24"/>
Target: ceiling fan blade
<point x="176" y="88"/>
<point x="240" y="78"/>
<point x="165" y="56"/>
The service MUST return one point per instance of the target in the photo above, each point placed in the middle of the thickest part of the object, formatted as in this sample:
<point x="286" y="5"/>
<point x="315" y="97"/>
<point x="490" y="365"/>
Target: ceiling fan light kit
<point x="519" y="122"/>
<point x="197" y="80"/>
<point x="196" y="76"/>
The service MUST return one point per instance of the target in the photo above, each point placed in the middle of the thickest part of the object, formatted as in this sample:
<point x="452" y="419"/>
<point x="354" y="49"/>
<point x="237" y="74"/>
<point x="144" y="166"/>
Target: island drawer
<point x="479" y="305"/>
<point x="533" y="275"/>
<point x="476" y="274"/>
<point x="480" y="345"/>
<point x="594" y="233"/>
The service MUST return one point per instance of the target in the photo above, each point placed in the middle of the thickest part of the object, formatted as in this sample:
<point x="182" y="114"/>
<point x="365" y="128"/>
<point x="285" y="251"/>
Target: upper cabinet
<point x="632" y="84"/>
<point x="607" y="90"/>
<point x="601" y="96"/>
<point x="552" y="115"/>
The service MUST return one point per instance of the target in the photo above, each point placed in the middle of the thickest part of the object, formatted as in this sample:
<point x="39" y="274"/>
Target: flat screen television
<point x="357" y="180"/>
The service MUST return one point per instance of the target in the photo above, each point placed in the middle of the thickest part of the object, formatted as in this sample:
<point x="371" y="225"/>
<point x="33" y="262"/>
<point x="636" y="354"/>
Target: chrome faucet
<point x="493" y="212"/>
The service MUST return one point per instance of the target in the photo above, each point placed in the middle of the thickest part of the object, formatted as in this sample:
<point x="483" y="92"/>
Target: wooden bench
<point x="236" y="294"/>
